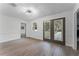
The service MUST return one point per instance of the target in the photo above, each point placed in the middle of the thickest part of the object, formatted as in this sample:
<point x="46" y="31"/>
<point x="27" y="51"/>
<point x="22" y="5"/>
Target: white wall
<point x="9" y="28"/>
<point x="69" y="25"/>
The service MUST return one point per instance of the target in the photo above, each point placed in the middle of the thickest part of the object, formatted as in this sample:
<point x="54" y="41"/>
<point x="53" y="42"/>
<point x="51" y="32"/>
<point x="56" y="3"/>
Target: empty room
<point x="39" y="29"/>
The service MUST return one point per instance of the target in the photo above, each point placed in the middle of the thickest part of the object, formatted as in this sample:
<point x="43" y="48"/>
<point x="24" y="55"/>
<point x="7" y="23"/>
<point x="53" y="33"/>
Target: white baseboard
<point x="7" y="40"/>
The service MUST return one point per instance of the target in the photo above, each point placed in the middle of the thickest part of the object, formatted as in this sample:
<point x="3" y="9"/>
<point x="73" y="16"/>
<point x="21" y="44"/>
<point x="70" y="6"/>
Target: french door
<point x="54" y="30"/>
<point x="46" y="30"/>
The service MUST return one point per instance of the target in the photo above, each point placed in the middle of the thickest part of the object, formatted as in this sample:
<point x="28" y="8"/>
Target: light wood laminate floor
<point x="31" y="47"/>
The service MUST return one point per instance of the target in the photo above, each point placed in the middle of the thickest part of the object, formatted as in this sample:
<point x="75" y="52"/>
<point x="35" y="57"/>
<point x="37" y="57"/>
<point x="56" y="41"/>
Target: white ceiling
<point x="41" y="9"/>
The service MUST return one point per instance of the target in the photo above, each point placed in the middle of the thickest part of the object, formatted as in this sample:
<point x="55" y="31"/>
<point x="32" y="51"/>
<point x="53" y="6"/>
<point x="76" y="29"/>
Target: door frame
<point x="52" y="31"/>
<point x="25" y="30"/>
<point x="76" y="28"/>
<point x="44" y="34"/>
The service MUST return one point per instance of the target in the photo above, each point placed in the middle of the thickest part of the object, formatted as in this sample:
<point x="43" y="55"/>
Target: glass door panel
<point x="46" y="28"/>
<point x="59" y="30"/>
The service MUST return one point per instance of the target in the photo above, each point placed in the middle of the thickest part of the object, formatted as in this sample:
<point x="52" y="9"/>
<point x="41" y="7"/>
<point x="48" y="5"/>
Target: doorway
<point x="78" y="30"/>
<point x="23" y="30"/>
<point x="46" y="30"/>
<point x="54" y="30"/>
<point x="58" y="30"/>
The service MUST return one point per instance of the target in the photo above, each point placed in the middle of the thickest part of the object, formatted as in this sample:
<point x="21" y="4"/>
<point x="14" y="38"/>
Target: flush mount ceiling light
<point x="29" y="10"/>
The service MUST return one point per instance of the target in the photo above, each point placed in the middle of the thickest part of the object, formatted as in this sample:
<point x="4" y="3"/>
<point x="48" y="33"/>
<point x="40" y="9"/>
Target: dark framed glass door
<point x="54" y="30"/>
<point x="58" y="30"/>
<point x="46" y="30"/>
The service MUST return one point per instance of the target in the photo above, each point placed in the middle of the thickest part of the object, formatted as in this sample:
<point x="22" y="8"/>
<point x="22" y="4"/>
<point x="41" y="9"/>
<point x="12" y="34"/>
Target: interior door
<point x="23" y="30"/>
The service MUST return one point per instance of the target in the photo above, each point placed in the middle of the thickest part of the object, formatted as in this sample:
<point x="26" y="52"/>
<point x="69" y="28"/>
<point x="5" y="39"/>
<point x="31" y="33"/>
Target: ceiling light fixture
<point x="29" y="11"/>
